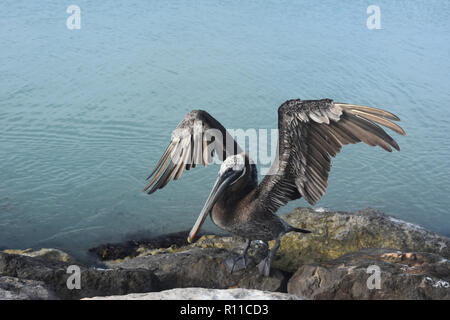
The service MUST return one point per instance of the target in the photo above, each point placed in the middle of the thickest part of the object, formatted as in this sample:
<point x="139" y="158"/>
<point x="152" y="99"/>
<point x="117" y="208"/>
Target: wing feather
<point x="194" y="142"/>
<point x="310" y="133"/>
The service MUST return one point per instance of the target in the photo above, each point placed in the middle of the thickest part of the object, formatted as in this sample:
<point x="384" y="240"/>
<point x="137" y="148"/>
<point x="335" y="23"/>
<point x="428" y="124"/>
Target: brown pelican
<point x="310" y="131"/>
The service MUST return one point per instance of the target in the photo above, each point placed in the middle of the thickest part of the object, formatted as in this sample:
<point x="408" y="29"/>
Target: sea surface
<point x="86" y="113"/>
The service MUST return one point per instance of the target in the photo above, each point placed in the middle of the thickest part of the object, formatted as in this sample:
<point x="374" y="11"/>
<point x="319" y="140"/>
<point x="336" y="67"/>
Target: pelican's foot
<point x="264" y="266"/>
<point x="234" y="263"/>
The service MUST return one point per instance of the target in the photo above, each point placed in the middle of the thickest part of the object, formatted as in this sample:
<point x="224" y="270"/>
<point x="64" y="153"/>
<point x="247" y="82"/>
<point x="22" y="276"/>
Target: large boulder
<point x="204" y="267"/>
<point x="94" y="282"/>
<point x="204" y="294"/>
<point x="402" y="275"/>
<point x="20" y="289"/>
<point x="337" y="233"/>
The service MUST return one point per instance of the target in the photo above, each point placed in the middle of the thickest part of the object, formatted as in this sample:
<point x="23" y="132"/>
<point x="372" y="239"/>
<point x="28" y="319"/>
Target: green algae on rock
<point x="44" y="253"/>
<point x="337" y="233"/>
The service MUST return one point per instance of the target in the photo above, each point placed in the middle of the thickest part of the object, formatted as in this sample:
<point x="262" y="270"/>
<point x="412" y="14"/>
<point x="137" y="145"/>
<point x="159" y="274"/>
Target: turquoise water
<point x="85" y="114"/>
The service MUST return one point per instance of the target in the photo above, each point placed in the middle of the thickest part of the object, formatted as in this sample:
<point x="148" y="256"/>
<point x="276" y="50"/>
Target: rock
<point x="132" y="248"/>
<point x="337" y="233"/>
<point x="204" y="294"/>
<point x="258" y="249"/>
<point x="403" y="275"/>
<point x="334" y="234"/>
<point x="20" y="289"/>
<point x="94" y="282"/>
<point x="44" y="253"/>
<point x="328" y="263"/>
<point x="203" y="267"/>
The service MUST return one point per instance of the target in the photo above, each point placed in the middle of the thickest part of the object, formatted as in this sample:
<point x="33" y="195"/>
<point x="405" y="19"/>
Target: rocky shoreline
<point x="363" y="255"/>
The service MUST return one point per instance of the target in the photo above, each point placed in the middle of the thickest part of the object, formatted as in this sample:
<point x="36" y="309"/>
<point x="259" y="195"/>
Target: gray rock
<point x="403" y="275"/>
<point x="204" y="294"/>
<point x="203" y="267"/>
<point x="328" y="263"/>
<point x="337" y="233"/>
<point x="19" y="289"/>
<point x="94" y="282"/>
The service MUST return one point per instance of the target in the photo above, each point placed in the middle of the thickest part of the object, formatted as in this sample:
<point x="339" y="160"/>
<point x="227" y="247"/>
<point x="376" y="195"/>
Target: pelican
<point x="310" y="132"/>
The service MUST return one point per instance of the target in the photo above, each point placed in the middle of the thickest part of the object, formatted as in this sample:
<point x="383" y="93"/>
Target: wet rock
<point x="204" y="294"/>
<point x="94" y="282"/>
<point x="44" y="253"/>
<point x="337" y="233"/>
<point x="204" y="267"/>
<point x="19" y="289"/>
<point x="132" y="248"/>
<point x="402" y="275"/>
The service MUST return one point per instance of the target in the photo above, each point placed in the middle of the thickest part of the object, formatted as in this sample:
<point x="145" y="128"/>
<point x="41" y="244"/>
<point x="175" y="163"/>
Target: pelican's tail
<point x="299" y="230"/>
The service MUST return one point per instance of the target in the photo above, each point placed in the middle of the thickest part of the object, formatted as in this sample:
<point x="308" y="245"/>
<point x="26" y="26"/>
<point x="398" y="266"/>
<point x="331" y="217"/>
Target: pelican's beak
<point x="221" y="184"/>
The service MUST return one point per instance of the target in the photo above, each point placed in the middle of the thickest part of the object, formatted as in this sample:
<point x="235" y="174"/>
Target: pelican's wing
<point x="194" y="142"/>
<point x="309" y="133"/>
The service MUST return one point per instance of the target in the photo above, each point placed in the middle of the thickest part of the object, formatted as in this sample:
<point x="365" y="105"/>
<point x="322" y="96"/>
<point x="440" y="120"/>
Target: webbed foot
<point x="234" y="263"/>
<point x="264" y="266"/>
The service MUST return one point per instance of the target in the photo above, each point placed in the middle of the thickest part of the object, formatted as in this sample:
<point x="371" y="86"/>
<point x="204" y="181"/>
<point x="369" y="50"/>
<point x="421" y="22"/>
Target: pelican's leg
<point x="238" y="263"/>
<point x="264" y="265"/>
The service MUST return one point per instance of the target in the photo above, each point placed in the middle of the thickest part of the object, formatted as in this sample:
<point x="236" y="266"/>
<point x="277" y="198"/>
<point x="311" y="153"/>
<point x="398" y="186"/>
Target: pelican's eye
<point x="240" y="176"/>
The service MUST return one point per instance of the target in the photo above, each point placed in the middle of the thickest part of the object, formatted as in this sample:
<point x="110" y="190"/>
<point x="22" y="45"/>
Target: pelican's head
<point x="231" y="170"/>
<point x="235" y="165"/>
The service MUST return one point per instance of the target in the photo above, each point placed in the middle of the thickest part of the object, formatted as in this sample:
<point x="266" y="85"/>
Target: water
<point x="85" y="114"/>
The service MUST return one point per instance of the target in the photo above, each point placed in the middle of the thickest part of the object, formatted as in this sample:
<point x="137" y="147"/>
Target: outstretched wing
<point x="309" y="133"/>
<point x="194" y="142"/>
